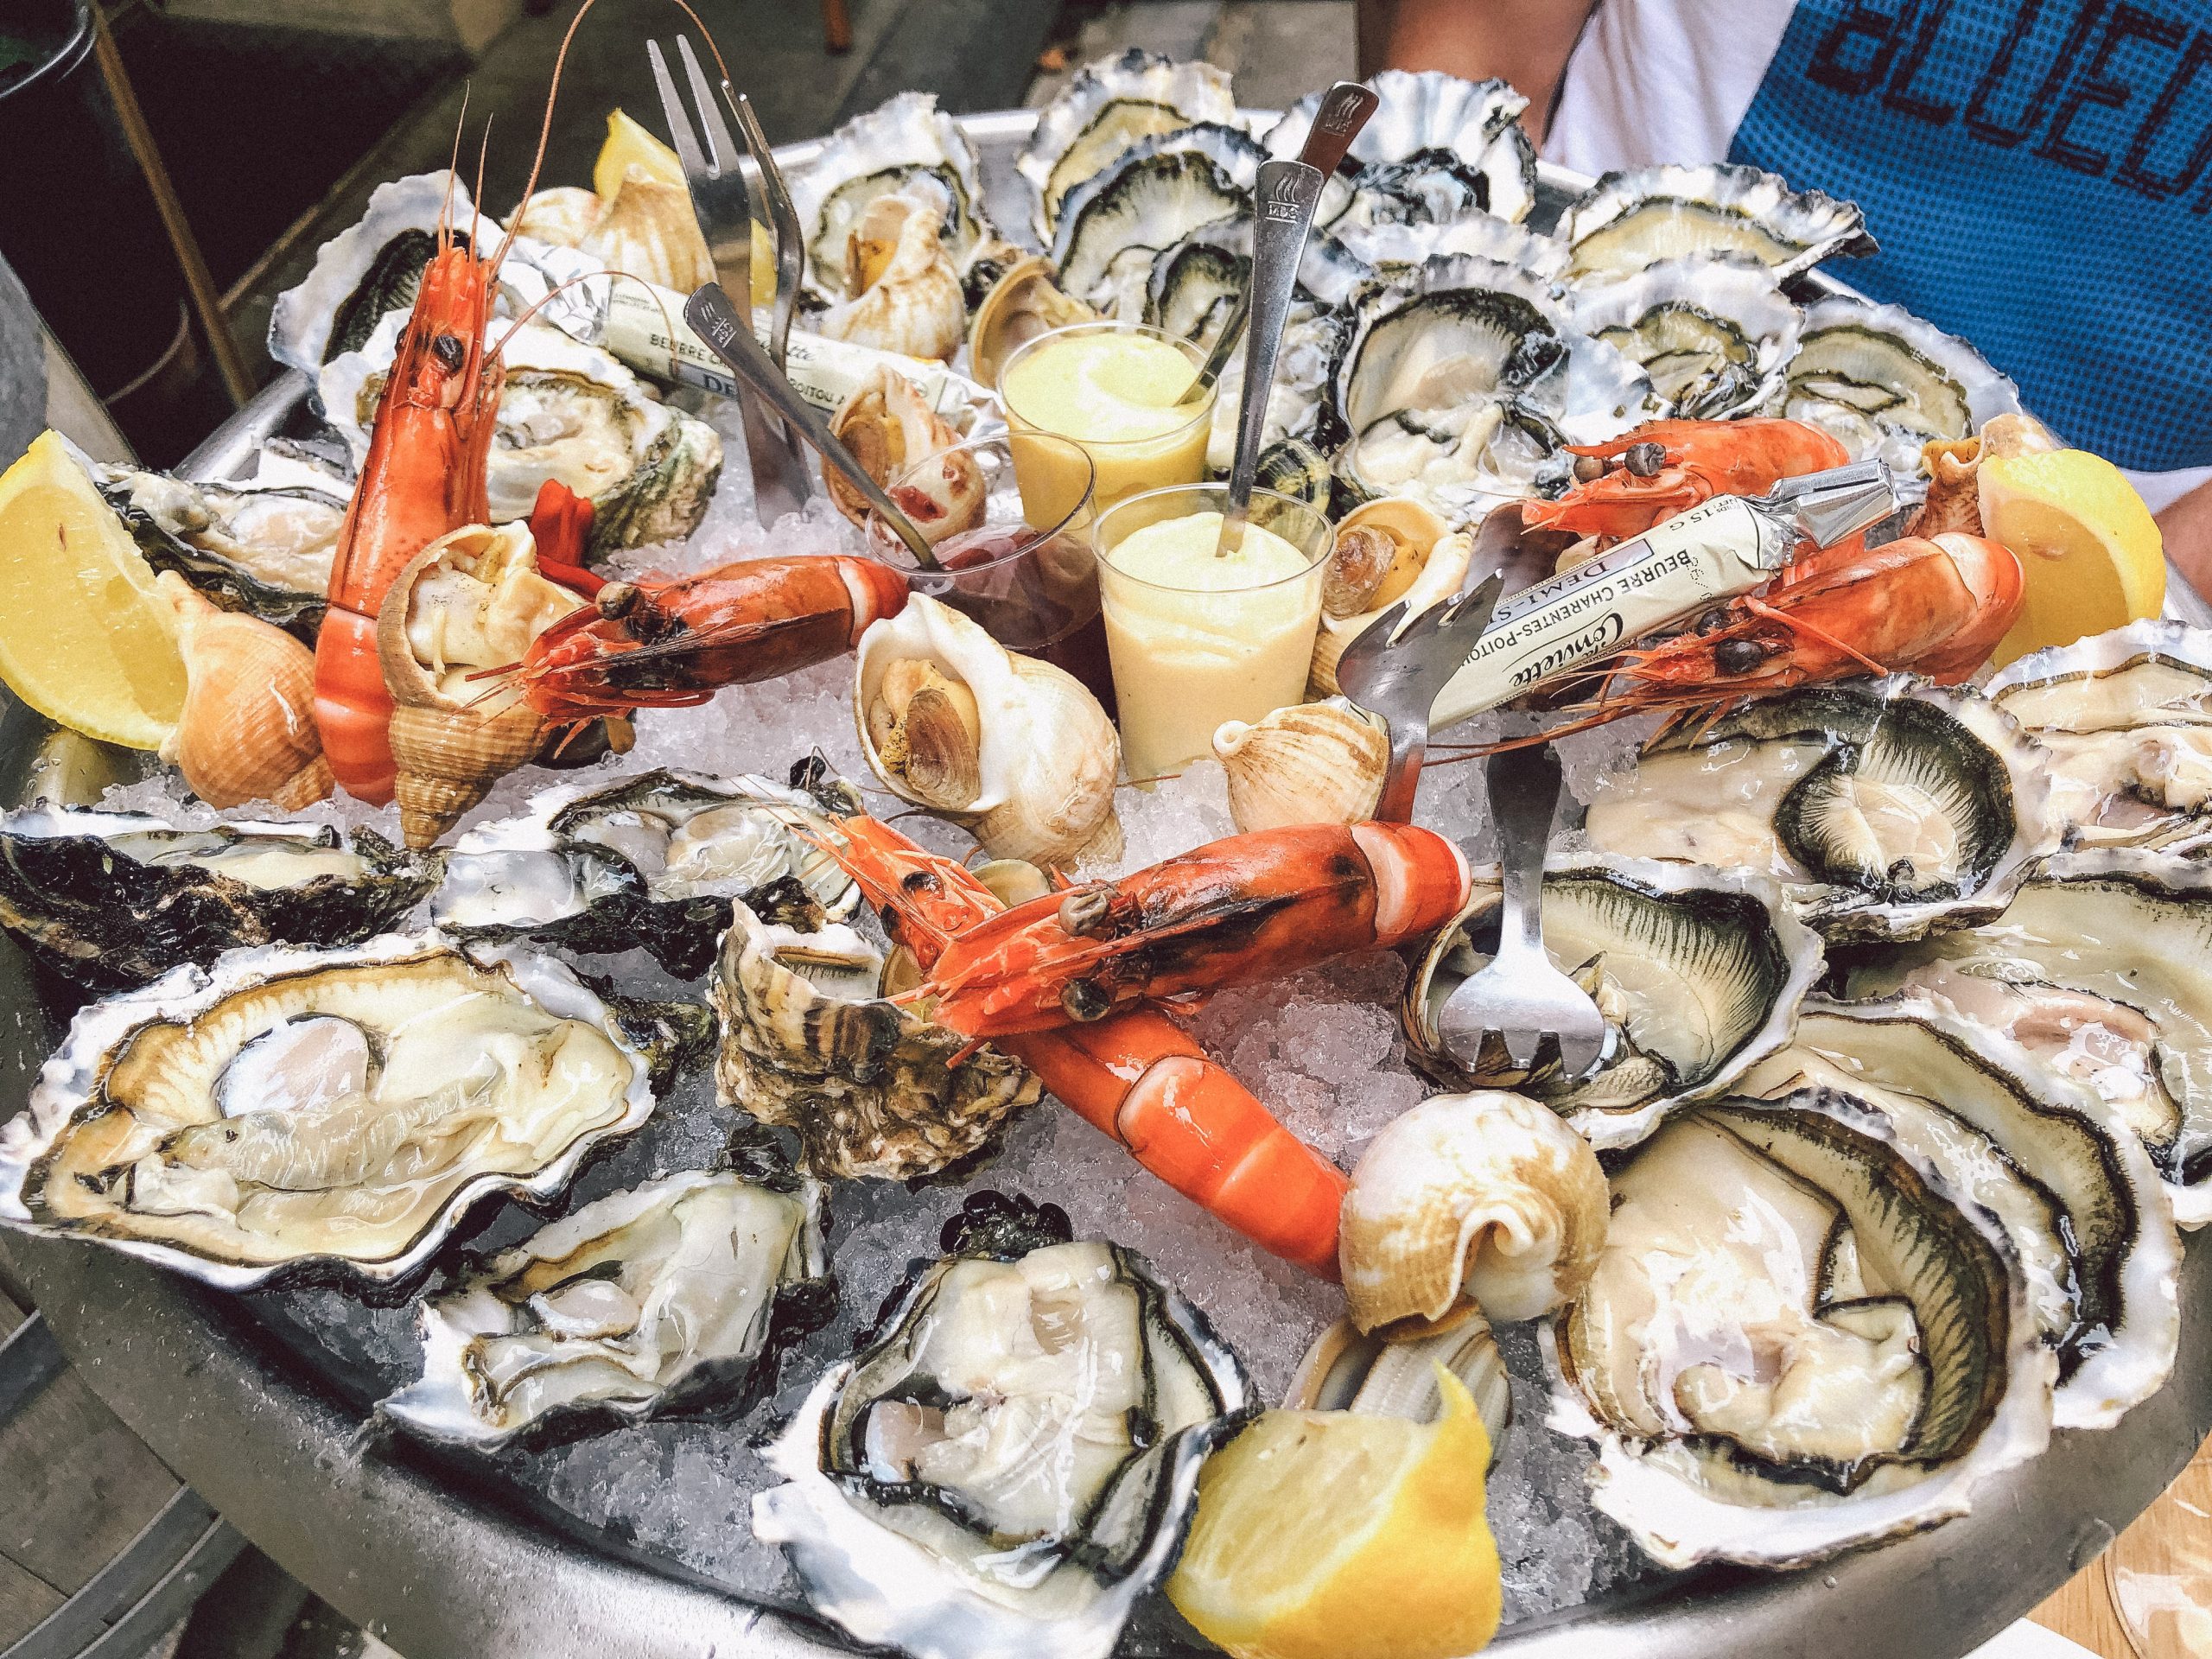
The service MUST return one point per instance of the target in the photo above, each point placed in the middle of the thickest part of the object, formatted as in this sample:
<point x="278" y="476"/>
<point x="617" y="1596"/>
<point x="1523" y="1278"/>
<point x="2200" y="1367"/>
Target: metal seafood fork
<point x="1519" y="995"/>
<point x="724" y="209"/>
<point x="1399" y="678"/>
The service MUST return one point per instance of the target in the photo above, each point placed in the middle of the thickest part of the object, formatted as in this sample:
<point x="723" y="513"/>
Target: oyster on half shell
<point x="1012" y="1464"/>
<point x="1114" y="225"/>
<point x="339" y="1108"/>
<point x="1630" y="220"/>
<point x="1108" y="108"/>
<point x="1886" y="384"/>
<point x="266" y="550"/>
<point x="1798" y="1338"/>
<point x="1437" y="149"/>
<point x="905" y="144"/>
<point x="1712" y="331"/>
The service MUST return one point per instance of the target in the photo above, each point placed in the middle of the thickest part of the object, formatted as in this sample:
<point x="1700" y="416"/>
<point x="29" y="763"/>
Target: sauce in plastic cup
<point x="1113" y="388"/>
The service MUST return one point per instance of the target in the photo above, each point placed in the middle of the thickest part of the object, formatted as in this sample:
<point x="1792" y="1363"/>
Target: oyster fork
<point x="1518" y="993"/>
<point x="1396" y="669"/>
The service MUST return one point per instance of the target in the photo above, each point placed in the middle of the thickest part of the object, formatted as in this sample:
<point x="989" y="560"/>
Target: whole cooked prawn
<point x="1664" y="467"/>
<point x="1135" y="1075"/>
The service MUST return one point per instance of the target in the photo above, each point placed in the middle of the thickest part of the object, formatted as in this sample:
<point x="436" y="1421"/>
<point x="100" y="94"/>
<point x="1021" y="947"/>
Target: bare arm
<point x="2187" y="526"/>
<point x="1525" y="42"/>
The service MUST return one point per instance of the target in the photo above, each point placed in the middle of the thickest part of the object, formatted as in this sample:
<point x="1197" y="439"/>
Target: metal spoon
<point x="1343" y="111"/>
<point x="715" y="320"/>
<point x="1282" y="214"/>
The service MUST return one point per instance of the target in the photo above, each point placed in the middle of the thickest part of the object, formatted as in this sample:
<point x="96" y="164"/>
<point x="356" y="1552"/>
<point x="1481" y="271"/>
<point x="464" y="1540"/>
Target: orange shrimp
<point x="672" y="643"/>
<point x="1699" y="459"/>
<point x="1137" y="1077"/>
<point x="1237" y="909"/>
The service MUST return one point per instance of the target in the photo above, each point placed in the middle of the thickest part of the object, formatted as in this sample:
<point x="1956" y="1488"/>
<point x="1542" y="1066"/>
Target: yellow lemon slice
<point x="84" y="637"/>
<point x="2089" y="547"/>
<point x="1321" y="1535"/>
<point x="628" y="145"/>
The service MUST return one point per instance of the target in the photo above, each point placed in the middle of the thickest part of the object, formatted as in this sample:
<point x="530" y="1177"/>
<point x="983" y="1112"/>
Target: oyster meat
<point x="2058" y="1166"/>
<point x="1014" y="1462"/>
<point x="340" y="1108"/>
<point x="905" y="144"/>
<point x="1712" y="330"/>
<point x="1885" y="383"/>
<point x="655" y="861"/>
<point x="248" y="547"/>
<point x="1113" y="225"/>
<point x="2101" y="966"/>
<point x="1108" y="108"/>
<point x="2127" y="719"/>
<point x="636" y="1303"/>
<point x="1798" y="1338"/>
<point x="809" y="1042"/>
<point x="1697" y="971"/>
<point x="1884" y="807"/>
<point x="1630" y="220"/>
<point x="110" y="899"/>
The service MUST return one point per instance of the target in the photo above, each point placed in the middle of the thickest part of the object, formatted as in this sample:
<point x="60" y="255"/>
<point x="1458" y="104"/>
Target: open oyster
<point x="1884" y="807"/>
<point x="1885" y="383"/>
<point x="655" y="861"/>
<point x="1393" y="247"/>
<point x="343" y="1107"/>
<point x="2101" y="966"/>
<point x="566" y="412"/>
<point x="248" y="548"/>
<point x="1629" y="220"/>
<point x="638" y="1303"/>
<point x="1697" y="971"/>
<point x="1798" y="1338"/>
<point x="2127" y="719"/>
<point x="1108" y="108"/>
<point x="1113" y="225"/>
<point x="371" y="268"/>
<point x="1712" y="330"/>
<point x="809" y="1043"/>
<point x="1462" y="378"/>
<point x="905" y="144"/>
<point x="1438" y="149"/>
<point x="110" y="899"/>
<point x="2058" y="1166"/>
<point x="1012" y="1464"/>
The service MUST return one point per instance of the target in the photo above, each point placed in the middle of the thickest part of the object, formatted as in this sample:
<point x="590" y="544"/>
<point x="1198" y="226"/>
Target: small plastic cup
<point x="1031" y="587"/>
<point x="1121" y="467"/>
<point x="1189" y="654"/>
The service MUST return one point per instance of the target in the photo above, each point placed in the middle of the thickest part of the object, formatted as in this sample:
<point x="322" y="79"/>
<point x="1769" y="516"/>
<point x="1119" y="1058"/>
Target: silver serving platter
<point x="445" y="1563"/>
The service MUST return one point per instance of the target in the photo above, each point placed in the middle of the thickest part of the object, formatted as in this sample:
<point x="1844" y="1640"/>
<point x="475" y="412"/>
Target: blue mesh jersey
<point x="2036" y="172"/>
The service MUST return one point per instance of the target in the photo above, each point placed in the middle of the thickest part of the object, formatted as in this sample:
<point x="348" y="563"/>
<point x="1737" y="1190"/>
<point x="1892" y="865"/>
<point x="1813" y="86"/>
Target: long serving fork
<point x="1397" y="674"/>
<point x="783" y="223"/>
<point x="724" y="207"/>
<point x="1519" y="995"/>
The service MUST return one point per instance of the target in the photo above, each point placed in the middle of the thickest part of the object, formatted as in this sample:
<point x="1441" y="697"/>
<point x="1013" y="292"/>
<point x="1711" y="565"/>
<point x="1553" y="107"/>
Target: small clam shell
<point x="906" y="294"/>
<point x="1048" y="754"/>
<point x="1311" y="763"/>
<point x="1486" y="1195"/>
<point x="247" y="731"/>
<point x="1442" y="556"/>
<point x="1345" y="1370"/>
<point x="1021" y="305"/>
<point x="891" y="429"/>
<point x="472" y="600"/>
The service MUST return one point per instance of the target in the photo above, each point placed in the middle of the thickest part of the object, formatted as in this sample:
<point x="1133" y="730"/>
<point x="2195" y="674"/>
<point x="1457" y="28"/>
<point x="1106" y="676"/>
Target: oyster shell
<point x="566" y="412"/>
<point x="1114" y="225"/>
<point x="1884" y="807"/>
<point x="1885" y="383"/>
<point x="1196" y="283"/>
<point x="1629" y="220"/>
<point x="1900" y="1363"/>
<point x="2098" y="966"/>
<point x="905" y="144"/>
<point x="640" y="1303"/>
<point x="371" y="268"/>
<point x="1437" y="148"/>
<point x="1461" y="379"/>
<point x="655" y="861"/>
<point x="871" y="1087"/>
<point x="1712" y="330"/>
<point x="1105" y="111"/>
<point x="1313" y="337"/>
<point x="267" y="551"/>
<point x="1393" y="247"/>
<point x="2126" y="720"/>
<point x="2056" y="1166"/>
<point x="110" y="899"/>
<point x="1698" y="973"/>
<point x="1049" y="1408"/>
<point x="288" y="1107"/>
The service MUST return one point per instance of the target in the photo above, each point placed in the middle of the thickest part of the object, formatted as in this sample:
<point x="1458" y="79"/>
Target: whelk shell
<point x="247" y="731"/>
<point x="892" y="430"/>
<point x="1953" y="469"/>
<point x="906" y="294"/>
<point x="1488" y="1196"/>
<point x="1311" y="763"/>
<point x="1388" y="550"/>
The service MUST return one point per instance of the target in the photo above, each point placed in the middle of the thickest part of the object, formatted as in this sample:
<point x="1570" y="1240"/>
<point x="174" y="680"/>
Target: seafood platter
<point x="664" y="1076"/>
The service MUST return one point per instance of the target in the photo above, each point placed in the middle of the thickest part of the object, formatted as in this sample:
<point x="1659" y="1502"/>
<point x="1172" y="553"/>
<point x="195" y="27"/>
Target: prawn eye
<point x="1737" y="656"/>
<point x="1084" y="999"/>
<point x="450" y="351"/>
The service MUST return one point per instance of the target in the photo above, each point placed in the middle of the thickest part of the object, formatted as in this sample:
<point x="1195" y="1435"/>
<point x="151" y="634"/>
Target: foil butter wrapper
<point x="642" y="325"/>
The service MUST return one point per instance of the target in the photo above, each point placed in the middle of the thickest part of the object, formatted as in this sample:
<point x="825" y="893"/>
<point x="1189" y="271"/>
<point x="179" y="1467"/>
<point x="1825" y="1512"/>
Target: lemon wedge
<point x="1324" y="1534"/>
<point x="86" y="639"/>
<point x="2087" y="544"/>
<point x="628" y="144"/>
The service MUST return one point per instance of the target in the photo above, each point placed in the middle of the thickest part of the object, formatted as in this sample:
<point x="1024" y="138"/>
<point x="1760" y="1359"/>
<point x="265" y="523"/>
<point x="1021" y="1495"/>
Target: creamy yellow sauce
<point x="1119" y="395"/>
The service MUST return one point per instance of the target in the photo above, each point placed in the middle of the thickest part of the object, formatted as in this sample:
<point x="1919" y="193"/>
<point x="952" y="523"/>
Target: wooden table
<point x="2174" y="1534"/>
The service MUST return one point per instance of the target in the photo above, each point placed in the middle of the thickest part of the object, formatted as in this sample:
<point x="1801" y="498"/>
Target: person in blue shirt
<point x="2038" y="171"/>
